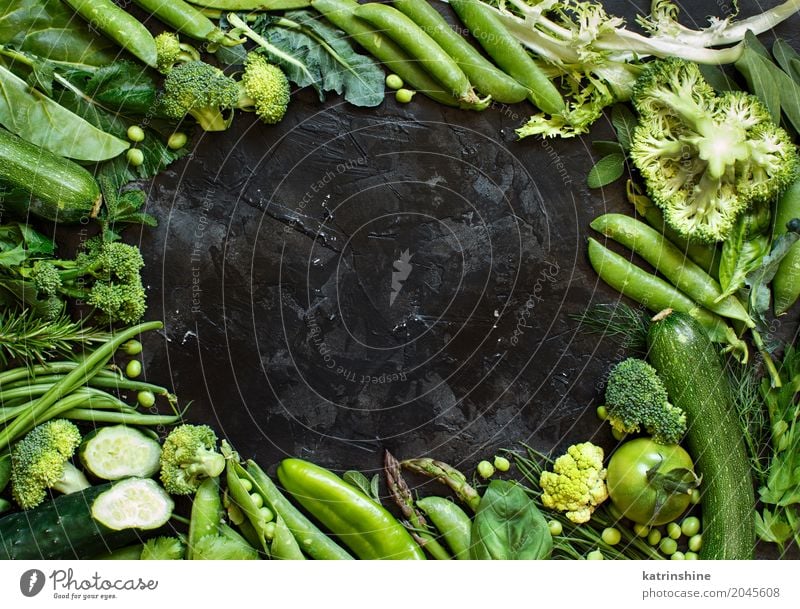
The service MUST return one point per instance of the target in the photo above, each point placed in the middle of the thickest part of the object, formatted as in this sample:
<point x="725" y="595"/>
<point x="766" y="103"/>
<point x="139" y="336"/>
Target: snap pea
<point x="670" y="262"/>
<point x="206" y="514"/>
<point x="421" y="47"/>
<point x="508" y="53"/>
<point x="240" y="489"/>
<point x="120" y="26"/>
<point x="479" y="70"/>
<point x="341" y="13"/>
<point x="251" y="5"/>
<point x="451" y="521"/>
<point x="786" y="283"/>
<point x="186" y="19"/>
<point x="657" y="295"/>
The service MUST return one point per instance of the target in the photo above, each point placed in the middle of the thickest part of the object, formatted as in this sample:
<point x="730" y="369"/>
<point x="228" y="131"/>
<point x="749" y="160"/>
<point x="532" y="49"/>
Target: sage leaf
<point x="605" y="147"/>
<point x="717" y="78"/>
<point x="606" y="170"/>
<point x="624" y="123"/>
<point x="787" y="58"/>
<point x="754" y="65"/>
<point x="35" y="117"/>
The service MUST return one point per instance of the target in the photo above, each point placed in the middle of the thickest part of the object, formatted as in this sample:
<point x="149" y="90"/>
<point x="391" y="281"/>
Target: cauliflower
<point x="577" y="483"/>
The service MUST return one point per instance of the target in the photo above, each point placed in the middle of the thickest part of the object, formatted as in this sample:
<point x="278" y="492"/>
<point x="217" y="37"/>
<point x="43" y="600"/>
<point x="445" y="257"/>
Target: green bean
<point x="509" y="54"/>
<point x="93" y="415"/>
<point x="341" y="13"/>
<point x="121" y="27"/>
<point x="657" y="295"/>
<point x="480" y="71"/>
<point x="786" y="283"/>
<point x="186" y="19"/>
<point x="206" y="514"/>
<point x="451" y="521"/>
<point x="670" y="262"/>
<point x="421" y="47"/>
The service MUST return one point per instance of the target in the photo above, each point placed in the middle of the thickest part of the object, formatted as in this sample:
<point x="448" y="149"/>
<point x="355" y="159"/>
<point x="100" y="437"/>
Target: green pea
<point x="611" y="536"/>
<point x="135" y="157"/>
<point x="674" y="530"/>
<point x="618" y="435"/>
<point x="641" y="530"/>
<point x="257" y="499"/>
<point x="133" y="369"/>
<point x="690" y="526"/>
<point x="177" y="140"/>
<point x="678" y="556"/>
<point x="393" y="81"/>
<point x="269" y="530"/>
<point x="403" y="96"/>
<point x="595" y="555"/>
<point x="485" y="470"/>
<point x="602" y="413"/>
<point x="132" y="347"/>
<point x="246" y="484"/>
<point x="695" y="497"/>
<point x="668" y="546"/>
<point x="555" y="527"/>
<point x="654" y="537"/>
<point x="266" y="514"/>
<point x="695" y="542"/>
<point x="691" y="556"/>
<point x="501" y="464"/>
<point x="146" y="399"/>
<point x="135" y="133"/>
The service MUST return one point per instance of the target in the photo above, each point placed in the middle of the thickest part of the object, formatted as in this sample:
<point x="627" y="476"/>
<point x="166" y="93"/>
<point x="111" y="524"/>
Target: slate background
<point x="264" y="276"/>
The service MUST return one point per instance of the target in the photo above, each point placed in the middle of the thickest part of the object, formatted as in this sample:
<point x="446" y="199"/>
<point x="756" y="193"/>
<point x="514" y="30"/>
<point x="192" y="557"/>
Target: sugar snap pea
<point x="451" y="521"/>
<point x="786" y="283"/>
<point x="420" y="46"/>
<point x="508" y="53"/>
<point x="482" y="74"/>
<point x="122" y="27"/>
<point x="206" y="513"/>
<point x="186" y="19"/>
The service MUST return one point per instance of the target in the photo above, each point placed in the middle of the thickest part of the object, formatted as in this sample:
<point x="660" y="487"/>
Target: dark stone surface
<point x="273" y="265"/>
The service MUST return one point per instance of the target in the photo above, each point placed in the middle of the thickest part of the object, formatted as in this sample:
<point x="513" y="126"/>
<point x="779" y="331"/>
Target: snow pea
<point x="186" y="19"/>
<point x="451" y="521"/>
<point x="123" y="28"/>
<point x="480" y="71"/>
<point x="508" y="53"/>
<point x="363" y="525"/>
<point x="786" y="283"/>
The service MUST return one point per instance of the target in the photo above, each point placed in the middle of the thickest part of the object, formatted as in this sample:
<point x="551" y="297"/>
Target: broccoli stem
<point x="71" y="481"/>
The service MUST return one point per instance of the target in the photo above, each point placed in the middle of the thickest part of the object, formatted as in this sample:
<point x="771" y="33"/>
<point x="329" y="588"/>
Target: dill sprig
<point x="620" y="322"/>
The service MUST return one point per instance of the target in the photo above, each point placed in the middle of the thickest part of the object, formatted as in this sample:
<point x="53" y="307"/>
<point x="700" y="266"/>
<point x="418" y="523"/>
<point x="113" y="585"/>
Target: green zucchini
<point x="118" y="451"/>
<point x="61" y="529"/>
<point x="692" y="371"/>
<point x="55" y="188"/>
<point x="5" y="470"/>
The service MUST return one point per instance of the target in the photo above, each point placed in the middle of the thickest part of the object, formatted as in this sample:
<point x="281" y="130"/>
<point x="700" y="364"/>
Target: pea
<point x="690" y="526"/>
<point x="135" y="133"/>
<point x="132" y="347"/>
<point x="266" y="514"/>
<point x="501" y="464"/>
<point x="257" y="499"/>
<point x="611" y="536"/>
<point x="404" y="96"/>
<point x="177" y="140"/>
<point x="641" y="530"/>
<point x="691" y="556"/>
<point x="555" y="527"/>
<point x="674" y="530"/>
<point x="695" y="497"/>
<point x="695" y="543"/>
<point x="133" y="369"/>
<point x="135" y="156"/>
<point x="246" y="484"/>
<point x="393" y="81"/>
<point x="269" y="530"/>
<point x="595" y="555"/>
<point x="146" y="399"/>
<point x="602" y="413"/>
<point x="654" y="537"/>
<point x="618" y="435"/>
<point x="678" y="556"/>
<point x="668" y="546"/>
<point x="786" y="283"/>
<point x="485" y="470"/>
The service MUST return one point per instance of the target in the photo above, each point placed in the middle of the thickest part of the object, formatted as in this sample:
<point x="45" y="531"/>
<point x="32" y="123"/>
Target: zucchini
<point x="117" y="452"/>
<point x="61" y="529"/>
<point x="696" y="381"/>
<point x="5" y="470"/>
<point x="51" y="186"/>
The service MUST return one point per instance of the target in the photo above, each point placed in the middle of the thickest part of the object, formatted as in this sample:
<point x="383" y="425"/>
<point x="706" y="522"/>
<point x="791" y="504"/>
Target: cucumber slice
<point x="117" y="452"/>
<point x="135" y="503"/>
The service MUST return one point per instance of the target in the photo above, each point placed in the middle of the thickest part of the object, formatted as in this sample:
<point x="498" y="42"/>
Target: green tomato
<point x="636" y="481"/>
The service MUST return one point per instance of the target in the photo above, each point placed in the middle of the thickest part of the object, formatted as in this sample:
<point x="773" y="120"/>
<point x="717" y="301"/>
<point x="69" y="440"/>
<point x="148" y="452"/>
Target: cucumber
<point x="693" y="374"/>
<point x="5" y="470"/>
<point x="134" y="503"/>
<point x="53" y="187"/>
<point x="61" y="529"/>
<point x="117" y="452"/>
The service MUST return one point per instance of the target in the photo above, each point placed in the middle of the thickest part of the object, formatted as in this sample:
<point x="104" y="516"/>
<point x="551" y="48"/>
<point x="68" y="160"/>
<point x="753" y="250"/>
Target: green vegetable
<point x="365" y="527"/>
<point x="251" y="5"/>
<point x="509" y="54"/>
<point x="481" y="73"/>
<point x="501" y="464"/>
<point x="228" y="545"/>
<point x="202" y="91"/>
<point x="133" y="369"/>
<point x="135" y="133"/>
<point x="690" y="527"/>
<point x="40" y="461"/>
<point x="556" y="528"/>
<point x="120" y="26"/>
<point x="595" y="555"/>
<point x="393" y="81"/>
<point x="189" y="455"/>
<point x="509" y="526"/>
<point x="786" y="283"/>
<point x="133" y="503"/>
<point x="451" y="521"/>
<point x="171" y="52"/>
<point x="177" y="140"/>
<point x="5" y="470"/>
<point x="135" y="157"/>
<point x="265" y="89"/>
<point x="636" y="398"/>
<point x="206" y="514"/>
<point x="146" y="399"/>
<point x="576" y="485"/>
<point x="696" y="543"/>
<point x="485" y="470"/>
<point x="188" y="20"/>
<point x="701" y="190"/>
<point x="447" y="475"/>
<point x="117" y="452"/>
<point x="650" y="483"/>
<point x="674" y="530"/>
<point x="163" y="548"/>
<point x="668" y="546"/>
<point x="611" y="536"/>
<point x="686" y="361"/>
<point x="404" y="96"/>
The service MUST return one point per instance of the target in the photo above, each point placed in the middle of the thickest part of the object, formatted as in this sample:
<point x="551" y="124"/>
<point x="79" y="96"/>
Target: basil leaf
<point x="509" y="526"/>
<point x="624" y="123"/>
<point x="606" y="170"/>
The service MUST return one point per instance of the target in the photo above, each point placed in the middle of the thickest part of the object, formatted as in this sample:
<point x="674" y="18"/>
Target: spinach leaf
<point x="330" y="61"/>
<point x="35" y="117"/>
<point x="121" y="87"/>
<point x="509" y="526"/>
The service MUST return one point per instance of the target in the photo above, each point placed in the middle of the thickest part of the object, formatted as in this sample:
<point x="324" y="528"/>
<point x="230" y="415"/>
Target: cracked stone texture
<point x="273" y="263"/>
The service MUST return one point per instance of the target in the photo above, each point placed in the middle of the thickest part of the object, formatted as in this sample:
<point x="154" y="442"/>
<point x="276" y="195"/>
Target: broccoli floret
<point x="636" y="398"/>
<point x="188" y="457"/>
<point x="45" y="278"/>
<point x="171" y="51"/>
<point x="264" y="89"/>
<point x="163" y="548"/>
<point x="705" y="158"/>
<point x="40" y="461"/>
<point x="577" y="483"/>
<point x="201" y="91"/>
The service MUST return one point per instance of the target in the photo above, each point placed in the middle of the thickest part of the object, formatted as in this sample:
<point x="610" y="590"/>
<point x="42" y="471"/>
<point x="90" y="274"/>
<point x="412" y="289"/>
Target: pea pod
<point x="206" y="513"/>
<point x="786" y="283"/>
<point x="451" y="521"/>
<point x="365" y="527"/>
<point x="252" y="5"/>
<point x="124" y="29"/>
<point x="186" y="19"/>
<point x="670" y="262"/>
<point x="508" y="53"/>
<point x="240" y="487"/>
<point x="657" y="295"/>
<point x="479" y="70"/>
<point x="421" y="47"/>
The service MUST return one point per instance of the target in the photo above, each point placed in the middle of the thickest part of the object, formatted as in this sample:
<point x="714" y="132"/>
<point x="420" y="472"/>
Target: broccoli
<point x="577" y="483"/>
<point x="188" y="457"/>
<point x="40" y="461"/>
<point x="201" y="91"/>
<point x="636" y="398"/>
<point x="705" y="158"/>
<point x="163" y="548"/>
<point x="264" y="89"/>
<point x="171" y="51"/>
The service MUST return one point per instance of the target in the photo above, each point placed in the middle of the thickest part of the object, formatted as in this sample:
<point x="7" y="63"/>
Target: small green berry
<point x="501" y="464"/>
<point x="485" y="470"/>
<point x="393" y="81"/>
<point x="135" y="156"/>
<point x="177" y="140"/>
<point x="403" y="96"/>
<point x="133" y="369"/>
<point x="135" y="133"/>
<point x="654" y="537"/>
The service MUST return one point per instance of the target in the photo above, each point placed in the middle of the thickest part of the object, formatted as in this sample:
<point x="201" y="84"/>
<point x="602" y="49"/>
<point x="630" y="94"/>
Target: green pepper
<point x="367" y="528"/>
